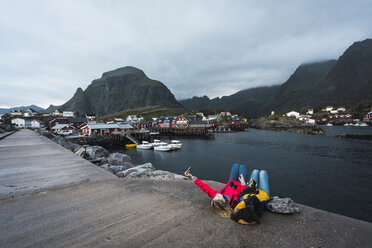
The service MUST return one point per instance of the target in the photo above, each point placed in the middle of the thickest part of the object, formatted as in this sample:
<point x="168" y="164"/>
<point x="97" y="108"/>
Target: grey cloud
<point x="214" y="48"/>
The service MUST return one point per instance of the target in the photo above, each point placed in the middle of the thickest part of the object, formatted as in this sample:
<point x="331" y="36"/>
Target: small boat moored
<point x="130" y="146"/>
<point x="163" y="147"/>
<point x="176" y="144"/>
<point x="155" y="143"/>
<point x="145" y="145"/>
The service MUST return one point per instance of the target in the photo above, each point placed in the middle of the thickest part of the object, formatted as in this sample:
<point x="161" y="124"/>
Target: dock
<point x="50" y="197"/>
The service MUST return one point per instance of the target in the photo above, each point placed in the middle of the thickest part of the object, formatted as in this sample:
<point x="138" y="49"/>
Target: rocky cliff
<point x="120" y="90"/>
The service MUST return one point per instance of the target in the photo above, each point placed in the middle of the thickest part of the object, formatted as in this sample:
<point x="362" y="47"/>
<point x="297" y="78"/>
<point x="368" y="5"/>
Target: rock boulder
<point x="136" y="170"/>
<point x="157" y="174"/>
<point x="96" y="152"/>
<point x="118" y="158"/>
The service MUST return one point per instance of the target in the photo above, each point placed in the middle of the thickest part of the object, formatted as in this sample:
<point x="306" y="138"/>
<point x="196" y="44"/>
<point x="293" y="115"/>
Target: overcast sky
<point x="50" y="48"/>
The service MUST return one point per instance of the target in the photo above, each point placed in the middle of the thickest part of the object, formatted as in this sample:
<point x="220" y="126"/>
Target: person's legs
<point x="254" y="175"/>
<point x="234" y="172"/>
<point x="243" y="171"/>
<point x="264" y="182"/>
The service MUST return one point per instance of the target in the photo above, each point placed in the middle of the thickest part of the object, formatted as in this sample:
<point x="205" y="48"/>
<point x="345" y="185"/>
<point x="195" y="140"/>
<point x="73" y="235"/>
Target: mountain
<point x="245" y="101"/>
<point x="350" y="80"/>
<point x="346" y="81"/>
<point x="120" y="90"/>
<point x="298" y="90"/>
<point x="34" y="107"/>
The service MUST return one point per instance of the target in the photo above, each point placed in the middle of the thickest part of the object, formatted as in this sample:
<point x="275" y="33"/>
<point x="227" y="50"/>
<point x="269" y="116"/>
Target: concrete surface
<point x="30" y="162"/>
<point x="112" y="212"/>
<point x="5" y="134"/>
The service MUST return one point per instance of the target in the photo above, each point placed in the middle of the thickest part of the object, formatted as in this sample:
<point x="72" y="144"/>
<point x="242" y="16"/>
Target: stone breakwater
<point x="285" y="124"/>
<point x="119" y="164"/>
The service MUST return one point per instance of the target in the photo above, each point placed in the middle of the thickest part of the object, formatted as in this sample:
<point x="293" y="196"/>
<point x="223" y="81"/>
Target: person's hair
<point x="221" y="208"/>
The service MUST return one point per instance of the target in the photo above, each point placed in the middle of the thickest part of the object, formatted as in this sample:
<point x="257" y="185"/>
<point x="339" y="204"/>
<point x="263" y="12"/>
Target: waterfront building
<point x="56" y="113"/>
<point x="225" y="114"/>
<point x="91" y="118"/>
<point x="368" y="117"/>
<point x="68" y="114"/>
<point x="115" y="120"/>
<point x="341" y="109"/>
<point x="16" y="112"/>
<point x="75" y="122"/>
<point x="62" y="127"/>
<point x="212" y="117"/>
<point x="19" y="122"/>
<point x="37" y="124"/>
<point x="131" y="118"/>
<point x="202" y="115"/>
<point x="105" y="129"/>
<point x="293" y="113"/>
<point x="30" y="113"/>
<point x="329" y="108"/>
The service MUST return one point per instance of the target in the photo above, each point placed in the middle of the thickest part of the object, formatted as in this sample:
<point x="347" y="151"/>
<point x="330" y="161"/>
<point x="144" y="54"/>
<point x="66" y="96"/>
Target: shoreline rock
<point x="287" y="125"/>
<point x="355" y="136"/>
<point x="117" y="163"/>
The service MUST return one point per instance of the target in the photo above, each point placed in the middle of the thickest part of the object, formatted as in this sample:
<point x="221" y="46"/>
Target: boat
<point x="130" y="146"/>
<point x="329" y="125"/>
<point x="145" y="145"/>
<point x="363" y="124"/>
<point x="163" y="147"/>
<point x="175" y="144"/>
<point x="155" y="143"/>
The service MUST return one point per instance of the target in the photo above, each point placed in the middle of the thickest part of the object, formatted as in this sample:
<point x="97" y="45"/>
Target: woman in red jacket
<point x="223" y="200"/>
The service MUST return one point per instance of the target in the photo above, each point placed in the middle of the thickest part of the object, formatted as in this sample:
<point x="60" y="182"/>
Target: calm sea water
<point x="321" y="171"/>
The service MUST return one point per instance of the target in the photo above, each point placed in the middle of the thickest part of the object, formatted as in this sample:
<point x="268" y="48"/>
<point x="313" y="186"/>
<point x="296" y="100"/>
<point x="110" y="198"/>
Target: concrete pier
<point x="50" y="197"/>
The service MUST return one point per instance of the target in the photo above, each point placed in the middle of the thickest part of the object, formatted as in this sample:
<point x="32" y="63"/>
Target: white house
<point x="310" y="111"/>
<point x="329" y="108"/>
<point x="62" y="127"/>
<point x="202" y="115"/>
<point x="19" y="122"/>
<point x="25" y="123"/>
<point x="334" y="111"/>
<point x="293" y="113"/>
<point x="56" y="113"/>
<point x="91" y="118"/>
<point x="16" y="112"/>
<point x="37" y="124"/>
<point x="68" y="114"/>
<point x="225" y="113"/>
<point x="341" y="109"/>
<point x="311" y="121"/>
<point x="30" y="113"/>
<point x="212" y="117"/>
<point x="131" y="118"/>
